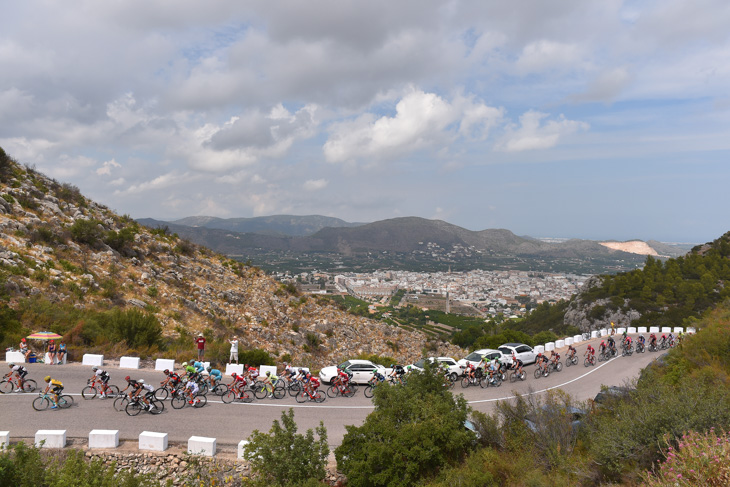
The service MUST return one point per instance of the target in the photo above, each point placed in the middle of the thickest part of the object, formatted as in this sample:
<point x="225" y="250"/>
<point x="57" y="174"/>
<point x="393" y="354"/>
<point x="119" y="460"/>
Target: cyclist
<point x="554" y="357"/>
<point x="571" y="351"/>
<point x="269" y="381"/>
<point x="192" y="388"/>
<point x="253" y="373"/>
<point x="103" y="377"/>
<point x="516" y="364"/>
<point x="670" y="338"/>
<point x="611" y="344"/>
<point x="20" y="372"/>
<point x="313" y="384"/>
<point x="663" y="340"/>
<point x="55" y="386"/>
<point x="470" y="371"/>
<point x="239" y="382"/>
<point x="591" y="352"/>
<point x="642" y="340"/>
<point x="627" y="342"/>
<point x="199" y="367"/>
<point x="214" y="376"/>
<point x="148" y="390"/>
<point x="398" y="372"/>
<point x="602" y="347"/>
<point x="652" y="340"/>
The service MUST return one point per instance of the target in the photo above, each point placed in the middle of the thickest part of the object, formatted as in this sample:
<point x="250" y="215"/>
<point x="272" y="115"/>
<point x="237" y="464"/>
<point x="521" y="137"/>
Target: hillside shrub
<point x="285" y="458"/>
<point x="696" y="459"/>
<point x="122" y="240"/>
<point x="89" y="232"/>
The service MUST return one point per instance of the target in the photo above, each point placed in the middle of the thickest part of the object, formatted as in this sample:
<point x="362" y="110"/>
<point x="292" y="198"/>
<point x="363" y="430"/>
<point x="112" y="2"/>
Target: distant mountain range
<point x="408" y="243"/>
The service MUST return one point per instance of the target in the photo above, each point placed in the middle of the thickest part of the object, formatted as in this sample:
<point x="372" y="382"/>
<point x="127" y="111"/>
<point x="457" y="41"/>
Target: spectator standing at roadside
<point x="200" y="341"/>
<point x="234" y="350"/>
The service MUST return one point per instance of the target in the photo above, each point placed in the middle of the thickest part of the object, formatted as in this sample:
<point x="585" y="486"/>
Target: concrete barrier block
<point x="631" y="329"/>
<point x="653" y="329"/>
<point x="149" y="440"/>
<point x="129" y="363"/>
<point x="595" y="334"/>
<point x="549" y="346"/>
<point x="231" y="368"/>
<point x="604" y="332"/>
<point x="267" y="368"/>
<point x="569" y="341"/>
<point x="678" y="329"/>
<point x="91" y="359"/>
<point x="16" y="357"/>
<point x="539" y="349"/>
<point x="47" y="359"/>
<point x="559" y="343"/>
<point x="4" y="439"/>
<point x="104" y="439"/>
<point x="577" y="338"/>
<point x="620" y="331"/>
<point x="691" y="330"/>
<point x="641" y="329"/>
<point x="50" y="438"/>
<point x="241" y="444"/>
<point x="163" y="363"/>
<point x="666" y="329"/>
<point x="200" y="445"/>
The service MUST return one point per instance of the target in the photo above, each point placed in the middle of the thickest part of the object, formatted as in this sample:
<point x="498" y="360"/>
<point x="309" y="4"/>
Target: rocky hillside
<point x="56" y="245"/>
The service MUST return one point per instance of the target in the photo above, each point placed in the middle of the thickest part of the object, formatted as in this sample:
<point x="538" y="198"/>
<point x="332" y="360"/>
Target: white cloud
<point x="544" y="55"/>
<point x="532" y="134"/>
<point x="160" y="182"/>
<point x="315" y="184"/>
<point x="421" y="120"/>
<point x="106" y="167"/>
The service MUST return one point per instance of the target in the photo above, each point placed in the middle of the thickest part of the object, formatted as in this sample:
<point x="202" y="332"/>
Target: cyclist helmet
<point x="301" y="371"/>
<point x="268" y="373"/>
<point x="409" y="367"/>
<point x="392" y="365"/>
<point x="47" y="378"/>
<point x="467" y="363"/>
<point x="234" y="375"/>
<point x="11" y="364"/>
<point x="140" y="381"/>
<point x="95" y="368"/>
<point x="184" y="364"/>
<point x="209" y="369"/>
<point x="127" y="378"/>
<point x="166" y="371"/>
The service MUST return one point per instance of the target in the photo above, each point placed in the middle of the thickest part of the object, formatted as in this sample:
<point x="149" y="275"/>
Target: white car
<point x="523" y="352"/>
<point x="362" y="371"/>
<point x="488" y="354"/>
<point x="455" y="370"/>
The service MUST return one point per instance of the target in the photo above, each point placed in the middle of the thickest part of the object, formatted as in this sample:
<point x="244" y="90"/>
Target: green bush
<point x="87" y="232"/>
<point x="414" y="431"/>
<point x="284" y="458"/>
<point x="255" y="357"/>
<point x="121" y="240"/>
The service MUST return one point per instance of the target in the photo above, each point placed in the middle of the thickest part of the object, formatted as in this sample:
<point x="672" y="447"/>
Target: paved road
<point x="230" y="423"/>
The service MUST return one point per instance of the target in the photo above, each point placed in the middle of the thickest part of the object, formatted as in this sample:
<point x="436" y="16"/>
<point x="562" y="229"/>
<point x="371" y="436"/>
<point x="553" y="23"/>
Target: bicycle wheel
<point x="88" y="392"/>
<point x="538" y="373"/>
<point x="465" y="382"/>
<point x="497" y="381"/>
<point x="333" y="391"/>
<point x="120" y="403"/>
<point x="200" y="400"/>
<point x="178" y="401"/>
<point x="112" y="391"/>
<point x="568" y="361"/>
<point x="159" y="406"/>
<point x="559" y="366"/>
<point x="586" y="362"/>
<point x="247" y="395"/>
<point x="29" y="385"/>
<point x="350" y="390"/>
<point x="41" y="403"/>
<point x="220" y="389"/>
<point x="133" y="408"/>
<point x="279" y="392"/>
<point x="161" y="394"/>
<point x="260" y="392"/>
<point x="6" y="387"/>
<point x="65" y="402"/>
<point x="294" y="389"/>
<point x="229" y="396"/>
<point x="302" y="397"/>
<point x="369" y="390"/>
<point x="319" y="397"/>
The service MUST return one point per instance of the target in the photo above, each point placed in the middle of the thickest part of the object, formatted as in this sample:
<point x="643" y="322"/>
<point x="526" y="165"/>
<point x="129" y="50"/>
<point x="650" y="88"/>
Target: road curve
<point x="230" y="423"/>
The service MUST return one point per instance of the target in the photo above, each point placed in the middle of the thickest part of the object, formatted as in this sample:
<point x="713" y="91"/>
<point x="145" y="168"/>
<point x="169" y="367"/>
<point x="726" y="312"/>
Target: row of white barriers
<point x="109" y="439"/>
<point x="557" y="344"/>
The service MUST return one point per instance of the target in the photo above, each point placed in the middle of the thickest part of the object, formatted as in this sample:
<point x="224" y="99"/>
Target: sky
<point x="602" y="119"/>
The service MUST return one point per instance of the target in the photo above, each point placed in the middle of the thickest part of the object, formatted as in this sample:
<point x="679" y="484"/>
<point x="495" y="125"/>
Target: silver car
<point x="522" y="351"/>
